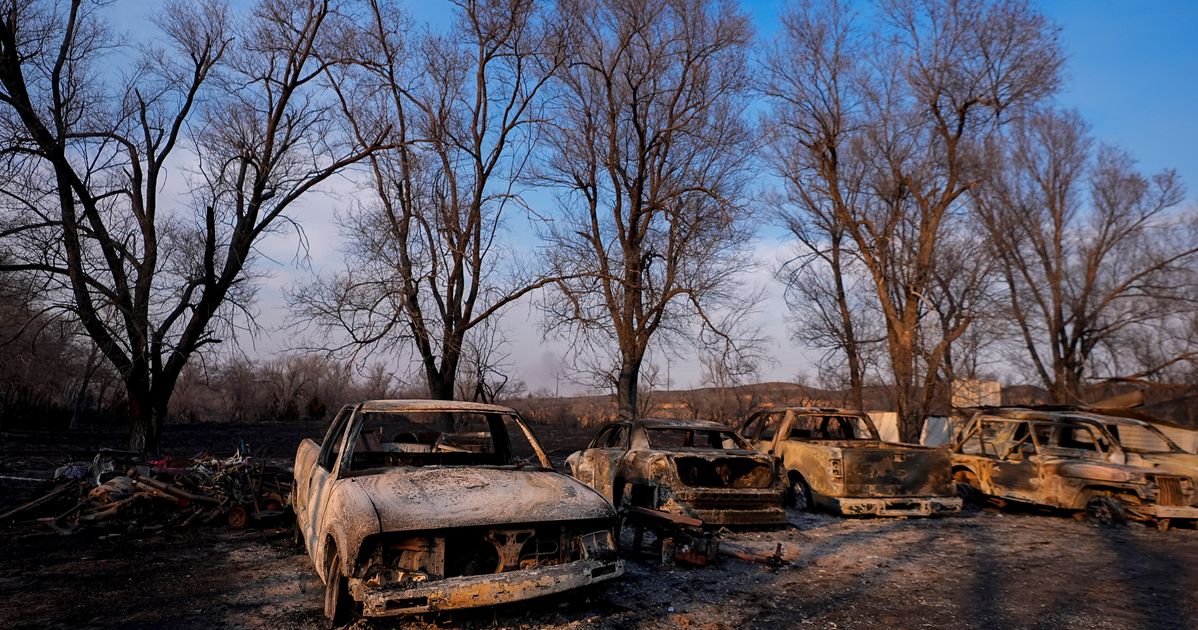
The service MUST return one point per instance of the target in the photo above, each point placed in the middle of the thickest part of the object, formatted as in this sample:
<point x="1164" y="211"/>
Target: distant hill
<point x="730" y="405"/>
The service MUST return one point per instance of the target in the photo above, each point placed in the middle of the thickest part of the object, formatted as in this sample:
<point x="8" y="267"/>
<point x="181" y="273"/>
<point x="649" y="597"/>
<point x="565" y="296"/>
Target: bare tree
<point x="44" y="376"/>
<point x="810" y="78"/>
<point x="427" y="263"/>
<point x="289" y="387"/>
<point x="1096" y="262"/>
<point x="724" y="397"/>
<point x="890" y="137"/>
<point x="152" y="278"/>
<point x="486" y="368"/>
<point x="650" y="150"/>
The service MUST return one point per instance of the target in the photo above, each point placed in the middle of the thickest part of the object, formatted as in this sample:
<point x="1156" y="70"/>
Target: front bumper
<point x="895" y="506"/>
<point x="768" y="516"/>
<point x="1151" y="510"/>
<point x="481" y="590"/>
<point x="730" y="507"/>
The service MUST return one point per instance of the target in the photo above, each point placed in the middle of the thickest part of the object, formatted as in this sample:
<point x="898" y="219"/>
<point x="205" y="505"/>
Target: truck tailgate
<point x="891" y="470"/>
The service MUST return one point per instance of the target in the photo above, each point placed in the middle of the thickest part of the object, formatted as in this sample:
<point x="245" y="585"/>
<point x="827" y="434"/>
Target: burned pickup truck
<point x="412" y="506"/>
<point x="693" y="468"/>
<point x="834" y="459"/>
<point x="1113" y="468"/>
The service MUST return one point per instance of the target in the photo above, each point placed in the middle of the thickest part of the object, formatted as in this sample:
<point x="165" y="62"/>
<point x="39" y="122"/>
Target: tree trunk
<point x="905" y="394"/>
<point x="1068" y="388"/>
<point x="442" y="379"/>
<point x="440" y="386"/>
<point x="627" y="384"/>
<point x="147" y="413"/>
<point x="907" y="414"/>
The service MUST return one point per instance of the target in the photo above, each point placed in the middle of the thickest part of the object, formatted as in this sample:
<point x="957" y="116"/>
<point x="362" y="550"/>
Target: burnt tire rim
<point x="966" y="486"/>
<point x="1105" y="511"/>
<point x="336" y="592"/>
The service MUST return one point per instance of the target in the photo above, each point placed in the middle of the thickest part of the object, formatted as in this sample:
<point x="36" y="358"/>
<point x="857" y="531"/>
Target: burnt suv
<point x="1111" y="467"/>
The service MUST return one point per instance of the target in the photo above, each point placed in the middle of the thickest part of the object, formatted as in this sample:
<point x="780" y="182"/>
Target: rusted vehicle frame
<point x="623" y="465"/>
<point x="385" y="538"/>
<point x="858" y="476"/>
<point x="1021" y="456"/>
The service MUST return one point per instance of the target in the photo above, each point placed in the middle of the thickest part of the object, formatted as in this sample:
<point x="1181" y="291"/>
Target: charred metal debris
<point x="121" y="490"/>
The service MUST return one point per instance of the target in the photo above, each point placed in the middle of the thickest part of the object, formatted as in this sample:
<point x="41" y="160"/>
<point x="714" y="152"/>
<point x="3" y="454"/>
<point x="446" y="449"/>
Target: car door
<point x="597" y="463"/>
<point x="323" y="476"/>
<point x="1015" y="466"/>
<point x="760" y="429"/>
<point x="303" y="482"/>
<point x="776" y="432"/>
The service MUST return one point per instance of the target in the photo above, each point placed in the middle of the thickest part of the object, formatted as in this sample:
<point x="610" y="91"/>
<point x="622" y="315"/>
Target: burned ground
<point x="984" y="569"/>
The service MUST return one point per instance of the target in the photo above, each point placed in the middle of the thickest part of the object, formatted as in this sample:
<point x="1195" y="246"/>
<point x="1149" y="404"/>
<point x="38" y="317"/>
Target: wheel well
<point x="617" y="491"/>
<point x="330" y="548"/>
<point x="1125" y="495"/>
<point x="642" y="494"/>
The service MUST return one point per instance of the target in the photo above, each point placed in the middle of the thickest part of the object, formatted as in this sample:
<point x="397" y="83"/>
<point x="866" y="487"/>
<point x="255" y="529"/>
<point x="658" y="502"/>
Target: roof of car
<point x="823" y="410"/>
<point x="682" y="423"/>
<point x="1051" y="413"/>
<point x="400" y="405"/>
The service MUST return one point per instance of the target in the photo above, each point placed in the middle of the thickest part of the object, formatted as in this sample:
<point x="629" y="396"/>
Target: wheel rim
<point x="1103" y="511"/>
<point x="333" y="595"/>
<point x="330" y="587"/>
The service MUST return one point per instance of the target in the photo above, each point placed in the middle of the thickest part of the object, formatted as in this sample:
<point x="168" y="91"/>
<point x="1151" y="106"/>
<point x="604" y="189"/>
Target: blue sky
<point x="1132" y="68"/>
<point x="1132" y="71"/>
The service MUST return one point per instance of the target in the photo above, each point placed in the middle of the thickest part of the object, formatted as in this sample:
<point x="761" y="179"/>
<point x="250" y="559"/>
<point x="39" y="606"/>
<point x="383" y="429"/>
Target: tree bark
<point x="145" y="425"/>
<point x="627" y="386"/>
<point x="851" y="348"/>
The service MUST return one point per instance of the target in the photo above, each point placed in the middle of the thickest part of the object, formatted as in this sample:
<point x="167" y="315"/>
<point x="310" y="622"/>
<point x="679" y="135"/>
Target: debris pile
<point x="120" y="489"/>
<point x="685" y="540"/>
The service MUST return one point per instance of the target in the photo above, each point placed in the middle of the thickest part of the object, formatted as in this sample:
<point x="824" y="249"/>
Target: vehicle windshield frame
<point x="359" y="421"/>
<point x="852" y="418"/>
<point x="1173" y="447"/>
<point x="741" y="443"/>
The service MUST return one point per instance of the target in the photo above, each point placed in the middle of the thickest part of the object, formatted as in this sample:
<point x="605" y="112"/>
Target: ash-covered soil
<point x="988" y="569"/>
<point x="984" y="569"/>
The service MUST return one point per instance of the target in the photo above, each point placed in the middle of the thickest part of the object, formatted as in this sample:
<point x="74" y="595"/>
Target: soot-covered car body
<point x="1110" y="466"/>
<point x="834" y="459"/>
<point x="413" y="506"/>
<point x="694" y="468"/>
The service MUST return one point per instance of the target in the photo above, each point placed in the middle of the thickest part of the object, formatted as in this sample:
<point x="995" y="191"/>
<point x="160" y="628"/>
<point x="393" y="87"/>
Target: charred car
<point x="834" y="459"/>
<point x="1112" y="468"/>
<point x="693" y="468"/>
<point x="412" y="506"/>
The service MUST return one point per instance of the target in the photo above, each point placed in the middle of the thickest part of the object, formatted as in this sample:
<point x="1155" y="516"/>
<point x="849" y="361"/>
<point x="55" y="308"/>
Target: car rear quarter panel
<point x="813" y="462"/>
<point x="347" y="517"/>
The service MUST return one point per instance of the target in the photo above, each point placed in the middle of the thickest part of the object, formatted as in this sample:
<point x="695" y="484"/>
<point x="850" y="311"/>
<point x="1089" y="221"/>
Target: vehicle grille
<point x="732" y="502"/>
<point x="1168" y="491"/>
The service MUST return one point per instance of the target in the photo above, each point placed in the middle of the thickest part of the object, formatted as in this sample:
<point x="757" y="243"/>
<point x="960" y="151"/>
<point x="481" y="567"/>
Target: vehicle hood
<point x="1180" y="463"/>
<point x="1107" y="471"/>
<point x="433" y="498"/>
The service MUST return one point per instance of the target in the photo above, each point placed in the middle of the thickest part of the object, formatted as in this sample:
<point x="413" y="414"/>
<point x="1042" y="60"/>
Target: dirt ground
<point x="984" y="569"/>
